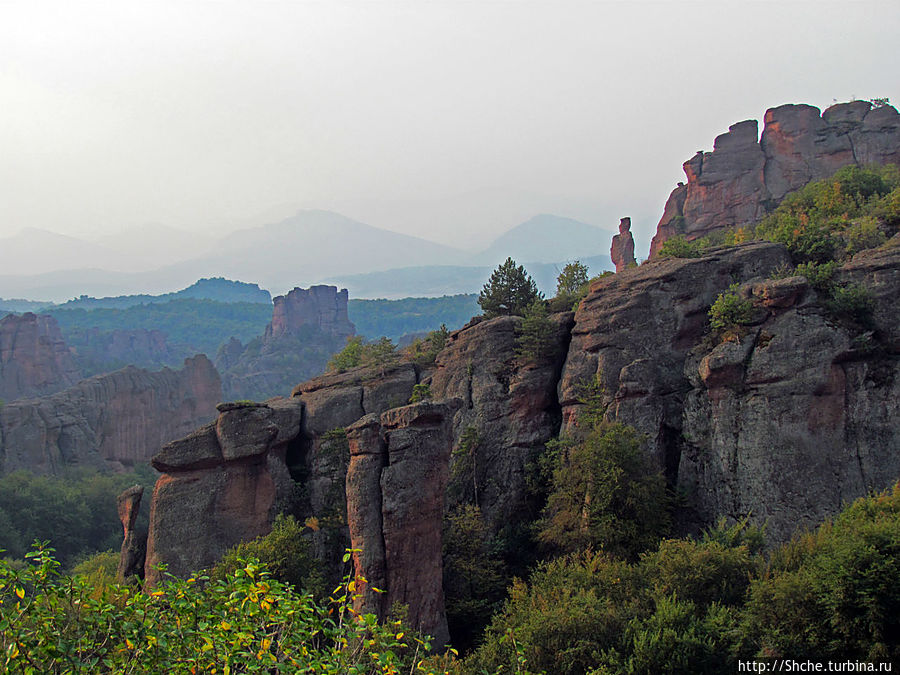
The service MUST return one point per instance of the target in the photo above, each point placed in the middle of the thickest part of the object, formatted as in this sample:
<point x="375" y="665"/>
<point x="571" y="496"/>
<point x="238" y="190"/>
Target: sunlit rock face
<point x="745" y="176"/>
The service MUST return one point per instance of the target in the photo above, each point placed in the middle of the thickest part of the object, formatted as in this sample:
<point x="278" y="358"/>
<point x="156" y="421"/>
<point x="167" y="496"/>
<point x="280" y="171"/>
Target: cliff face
<point x="108" y="421"/>
<point x="745" y="177"/>
<point x="34" y="359"/>
<point x="307" y="328"/>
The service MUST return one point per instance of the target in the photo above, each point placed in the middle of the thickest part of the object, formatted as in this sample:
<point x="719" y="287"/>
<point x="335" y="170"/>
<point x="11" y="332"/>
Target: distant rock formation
<point x="745" y="177"/>
<point x="321" y="307"/>
<point x="109" y="421"/>
<point x="622" y="250"/>
<point x="34" y="359"/>
<point x="307" y="328"/>
<point x="98" y="351"/>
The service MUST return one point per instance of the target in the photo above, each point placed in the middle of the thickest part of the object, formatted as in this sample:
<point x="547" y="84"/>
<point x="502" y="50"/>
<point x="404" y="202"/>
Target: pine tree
<point x="510" y="290"/>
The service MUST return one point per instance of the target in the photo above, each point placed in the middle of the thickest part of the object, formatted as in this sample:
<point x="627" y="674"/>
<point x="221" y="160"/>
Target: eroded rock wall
<point x="108" y="421"/>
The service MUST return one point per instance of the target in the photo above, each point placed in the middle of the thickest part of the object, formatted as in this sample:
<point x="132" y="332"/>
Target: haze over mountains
<point x="310" y="247"/>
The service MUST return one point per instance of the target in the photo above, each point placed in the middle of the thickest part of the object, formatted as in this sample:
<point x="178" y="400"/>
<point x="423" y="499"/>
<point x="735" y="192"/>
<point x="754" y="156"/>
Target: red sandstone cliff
<point x="744" y="177"/>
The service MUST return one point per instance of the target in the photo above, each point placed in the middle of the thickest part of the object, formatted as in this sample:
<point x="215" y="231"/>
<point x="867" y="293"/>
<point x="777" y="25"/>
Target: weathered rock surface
<point x="743" y="178"/>
<point x="622" y="250"/>
<point x="108" y="421"/>
<point x="511" y="406"/>
<point x="220" y="486"/>
<point x="800" y="415"/>
<point x="307" y="328"/>
<point x="34" y="358"/>
<point x="634" y="330"/>
<point x="131" y="557"/>
<point x="399" y="467"/>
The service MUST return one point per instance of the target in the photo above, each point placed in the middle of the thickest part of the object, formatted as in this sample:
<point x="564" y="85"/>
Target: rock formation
<point x="783" y="419"/>
<point x="510" y="408"/>
<point x="220" y="485"/>
<point x="108" y="421"/>
<point x="307" y="328"/>
<point x="322" y="307"/>
<point x="98" y="351"/>
<point x="131" y="557"/>
<point x="622" y="250"/>
<point x="34" y="359"/>
<point x="396" y="481"/>
<point x="744" y="177"/>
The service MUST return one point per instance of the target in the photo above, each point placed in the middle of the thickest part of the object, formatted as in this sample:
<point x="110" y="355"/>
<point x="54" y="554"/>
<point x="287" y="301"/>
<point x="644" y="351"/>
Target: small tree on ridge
<point x="510" y="290"/>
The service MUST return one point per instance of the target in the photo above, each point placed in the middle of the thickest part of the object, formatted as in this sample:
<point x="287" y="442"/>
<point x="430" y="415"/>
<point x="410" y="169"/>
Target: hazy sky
<point x="450" y="120"/>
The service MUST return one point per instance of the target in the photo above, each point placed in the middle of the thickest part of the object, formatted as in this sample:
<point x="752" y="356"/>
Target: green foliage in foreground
<point x="244" y="623"/>
<point x="76" y="511"/>
<point x="699" y="605"/>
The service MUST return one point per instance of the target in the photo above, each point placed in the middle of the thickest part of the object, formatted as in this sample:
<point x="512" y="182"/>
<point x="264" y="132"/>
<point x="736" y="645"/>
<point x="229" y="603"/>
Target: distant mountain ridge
<point x="217" y="288"/>
<point x="312" y="247"/>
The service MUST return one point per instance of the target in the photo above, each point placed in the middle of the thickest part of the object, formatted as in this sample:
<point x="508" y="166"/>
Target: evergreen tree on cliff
<point x="510" y="290"/>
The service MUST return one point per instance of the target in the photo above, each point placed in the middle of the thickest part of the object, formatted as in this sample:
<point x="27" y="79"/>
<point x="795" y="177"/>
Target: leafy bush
<point x="730" y="310"/>
<point x="285" y="554"/>
<point x="605" y="494"/>
<point x="679" y="247"/>
<point x="420" y="392"/>
<point x="424" y="351"/>
<point x="510" y="290"/>
<point x="819" y="275"/>
<point x="833" y="593"/>
<point x="246" y="622"/>
<point x="854" y="301"/>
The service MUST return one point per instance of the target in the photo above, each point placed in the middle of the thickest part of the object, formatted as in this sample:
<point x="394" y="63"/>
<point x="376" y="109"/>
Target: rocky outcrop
<point x="221" y="485"/>
<point x="307" y="328"/>
<point x="133" y="552"/>
<point x="744" y="177"/>
<point x="798" y="416"/>
<point x="108" y="421"/>
<point x="510" y="409"/>
<point x="34" y="359"/>
<point x="622" y="250"/>
<point x="396" y="481"/>
<point x="786" y="423"/>
<point x="321" y="307"/>
<point x="634" y="330"/>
